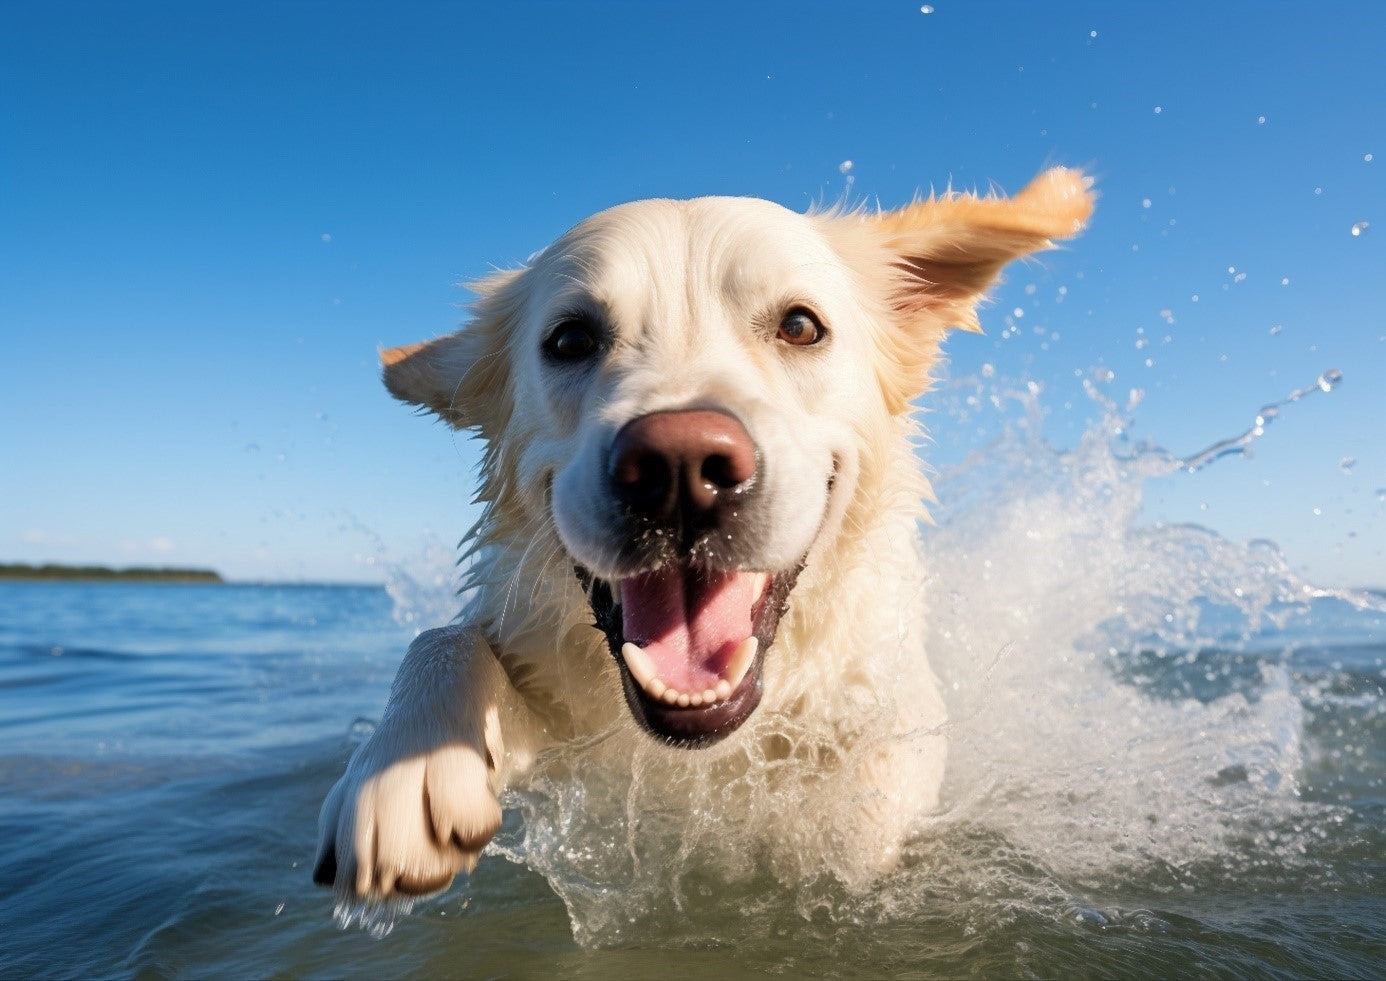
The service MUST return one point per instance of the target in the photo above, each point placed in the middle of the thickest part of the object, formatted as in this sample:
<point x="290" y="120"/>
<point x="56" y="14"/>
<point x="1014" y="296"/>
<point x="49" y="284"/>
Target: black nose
<point x="683" y="463"/>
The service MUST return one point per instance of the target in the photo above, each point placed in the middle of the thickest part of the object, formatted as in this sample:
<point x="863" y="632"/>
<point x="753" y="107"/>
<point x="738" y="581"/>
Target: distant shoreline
<point x="52" y="572"/>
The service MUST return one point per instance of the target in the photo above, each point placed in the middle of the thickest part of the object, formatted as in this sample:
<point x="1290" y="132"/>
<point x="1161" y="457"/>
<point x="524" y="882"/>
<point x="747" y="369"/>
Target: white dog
<point x="696" y="419"/>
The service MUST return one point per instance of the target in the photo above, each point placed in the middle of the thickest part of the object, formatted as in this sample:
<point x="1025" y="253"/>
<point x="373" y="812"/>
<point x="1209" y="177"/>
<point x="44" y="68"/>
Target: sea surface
<point x="1168" y="759"/>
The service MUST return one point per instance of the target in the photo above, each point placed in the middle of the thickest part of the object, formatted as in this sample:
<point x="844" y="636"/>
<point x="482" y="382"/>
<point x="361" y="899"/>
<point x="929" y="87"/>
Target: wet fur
<point x="524" y="670"/>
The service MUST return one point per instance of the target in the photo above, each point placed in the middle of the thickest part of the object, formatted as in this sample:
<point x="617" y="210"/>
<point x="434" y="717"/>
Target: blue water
<point x="164" y="749"/>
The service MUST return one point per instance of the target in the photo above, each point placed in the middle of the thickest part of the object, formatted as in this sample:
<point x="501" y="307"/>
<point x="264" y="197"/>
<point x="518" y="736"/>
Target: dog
<point x="697" y="427"/>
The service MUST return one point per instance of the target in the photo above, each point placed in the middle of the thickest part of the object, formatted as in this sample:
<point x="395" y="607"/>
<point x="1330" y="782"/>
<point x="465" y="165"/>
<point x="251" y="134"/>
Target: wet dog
<point x="696" y="419"/>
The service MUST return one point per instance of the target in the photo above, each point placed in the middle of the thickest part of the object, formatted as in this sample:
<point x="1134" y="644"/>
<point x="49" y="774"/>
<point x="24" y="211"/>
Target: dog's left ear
<point x="948" y="250"/>
<point x="940" y="256"/>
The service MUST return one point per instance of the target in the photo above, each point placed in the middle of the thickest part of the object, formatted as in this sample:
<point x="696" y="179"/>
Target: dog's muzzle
<point x="691" y="627"/>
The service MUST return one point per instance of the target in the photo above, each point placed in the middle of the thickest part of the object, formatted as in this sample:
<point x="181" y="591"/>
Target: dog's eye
<point x="800" y="328"/>
<point x="574" y="339"/>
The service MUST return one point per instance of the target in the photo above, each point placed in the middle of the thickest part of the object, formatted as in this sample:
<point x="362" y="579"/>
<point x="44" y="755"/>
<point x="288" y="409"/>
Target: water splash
<point x="1115" y="728"/>
<point x="1239" y="445"/>
<point x="424" y="584"/>
<point x="374" y="917"/>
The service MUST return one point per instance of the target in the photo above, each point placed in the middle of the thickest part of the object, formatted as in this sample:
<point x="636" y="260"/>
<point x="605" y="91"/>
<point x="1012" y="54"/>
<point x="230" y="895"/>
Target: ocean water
<point x="1168" y="757"/>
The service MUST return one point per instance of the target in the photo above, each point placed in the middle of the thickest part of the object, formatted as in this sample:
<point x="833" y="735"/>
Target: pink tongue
<point x="689" y="623"/>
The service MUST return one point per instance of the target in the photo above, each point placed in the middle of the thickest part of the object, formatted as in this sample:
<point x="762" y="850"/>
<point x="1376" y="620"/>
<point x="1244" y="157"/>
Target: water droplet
<point x="1285" y="281"/>
<point x="1194" y="298"/>
<point x="926" y="9"/>
<point x="1359" y="227"/>
<point x="844" y="167"/>
<point x="1260" y="120"/>
<point x="1159" y="109"/>
<point x="1381" y="494"/>
<point x="1330" y="379"/>
<point x="326" y="238"/>
<point x="988" y="370"/>
<point x="1347" y="463"/>
<point x="1318" y="190"/>
<point x="1017" y="313"/>
<point x="1367" y="157"/>
<point x="1276" y="329"/>
<point x="1145" y="202"/>
<point x="1318" y="512"/>
<point x="1094" y="34"/>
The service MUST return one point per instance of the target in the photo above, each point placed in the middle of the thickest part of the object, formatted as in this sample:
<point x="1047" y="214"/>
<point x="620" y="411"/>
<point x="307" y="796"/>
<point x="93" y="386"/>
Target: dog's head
<point x="687" y="394"/>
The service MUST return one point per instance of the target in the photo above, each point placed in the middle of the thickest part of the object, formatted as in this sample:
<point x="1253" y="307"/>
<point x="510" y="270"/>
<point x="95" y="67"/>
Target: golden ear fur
<point x="943" y="253"/>
<point x="461" y="376"/>
<point x="948" y="250"/>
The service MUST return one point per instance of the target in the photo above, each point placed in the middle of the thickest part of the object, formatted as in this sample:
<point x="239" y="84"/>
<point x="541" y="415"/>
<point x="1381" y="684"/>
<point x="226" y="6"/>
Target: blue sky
<point x="212" y="215"/>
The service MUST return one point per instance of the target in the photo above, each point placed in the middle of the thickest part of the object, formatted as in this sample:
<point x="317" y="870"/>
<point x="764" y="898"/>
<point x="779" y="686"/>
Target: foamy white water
<point x="1118" y="725"/>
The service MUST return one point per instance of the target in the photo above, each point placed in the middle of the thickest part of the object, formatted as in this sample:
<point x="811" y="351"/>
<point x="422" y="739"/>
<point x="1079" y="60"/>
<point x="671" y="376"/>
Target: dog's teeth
<point x="740" y="661"/>
<point x="643" y="671"/>
<point x="641" y="667"/>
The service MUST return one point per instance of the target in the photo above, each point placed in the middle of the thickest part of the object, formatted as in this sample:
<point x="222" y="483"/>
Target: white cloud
<point x="37" y="536"/>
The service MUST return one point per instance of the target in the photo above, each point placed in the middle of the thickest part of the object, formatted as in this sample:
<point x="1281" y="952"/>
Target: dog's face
<point x="687" y="394"/>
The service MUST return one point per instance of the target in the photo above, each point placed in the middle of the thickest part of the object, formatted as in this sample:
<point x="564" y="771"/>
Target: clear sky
<point x="213" y="214"/>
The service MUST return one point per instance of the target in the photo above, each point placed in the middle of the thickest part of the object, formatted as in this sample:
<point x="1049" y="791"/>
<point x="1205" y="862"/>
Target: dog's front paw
<point x="405" y="826"/>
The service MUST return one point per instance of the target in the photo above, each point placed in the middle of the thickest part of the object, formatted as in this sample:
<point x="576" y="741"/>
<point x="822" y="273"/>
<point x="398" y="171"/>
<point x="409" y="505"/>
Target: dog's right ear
<point x="463" y="376"/>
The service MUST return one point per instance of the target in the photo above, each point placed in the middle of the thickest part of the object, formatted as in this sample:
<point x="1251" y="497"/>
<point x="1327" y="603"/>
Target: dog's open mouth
<point x="690" y="642"/>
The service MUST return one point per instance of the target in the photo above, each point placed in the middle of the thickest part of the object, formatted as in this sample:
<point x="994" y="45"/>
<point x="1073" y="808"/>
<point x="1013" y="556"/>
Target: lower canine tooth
<point x="740" y="661"/>
<point x="639" y="664"/>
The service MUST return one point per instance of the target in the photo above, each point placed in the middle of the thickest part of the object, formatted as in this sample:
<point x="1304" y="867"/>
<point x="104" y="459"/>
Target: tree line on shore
<point x="51" y="570"/>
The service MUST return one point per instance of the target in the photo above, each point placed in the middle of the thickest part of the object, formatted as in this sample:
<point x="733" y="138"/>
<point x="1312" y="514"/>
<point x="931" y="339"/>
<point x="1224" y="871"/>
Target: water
<point x="1168" y="756"/>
